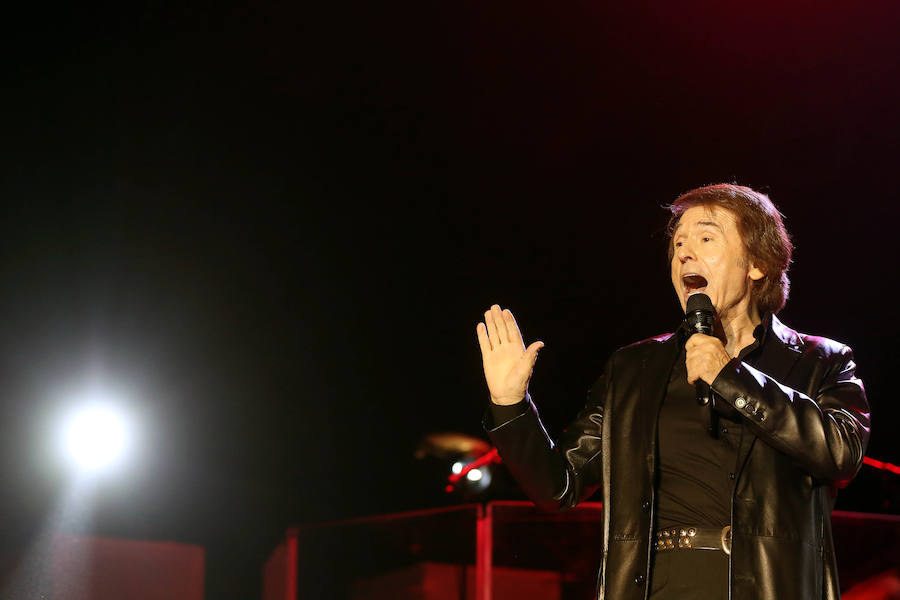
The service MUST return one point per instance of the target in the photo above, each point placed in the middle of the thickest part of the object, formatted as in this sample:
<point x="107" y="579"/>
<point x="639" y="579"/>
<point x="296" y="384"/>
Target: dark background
<point x="273" y="229"/>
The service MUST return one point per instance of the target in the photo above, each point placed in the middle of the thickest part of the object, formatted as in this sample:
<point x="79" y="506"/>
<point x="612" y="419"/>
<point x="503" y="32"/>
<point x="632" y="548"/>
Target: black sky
<point x="276" y="226"/>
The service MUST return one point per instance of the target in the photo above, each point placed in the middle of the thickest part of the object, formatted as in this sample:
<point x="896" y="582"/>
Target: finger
<point x="691" y="377"/>
<point x="699" y="339"/>
<point x="689" y="362"/>
<point x="500" y="323"/>
<point x="483" y="341"/>
<point x="694" y="341"/>
<point x="512" y="329"/>
<point x="532" y="351"/>
<point x="491" y="328"/>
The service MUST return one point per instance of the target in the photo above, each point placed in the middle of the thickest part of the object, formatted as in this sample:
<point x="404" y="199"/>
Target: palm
<point x="507" y="363"/>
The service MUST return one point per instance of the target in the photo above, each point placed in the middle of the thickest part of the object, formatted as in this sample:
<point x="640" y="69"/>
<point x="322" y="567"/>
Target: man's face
<point x="709" y="257"/>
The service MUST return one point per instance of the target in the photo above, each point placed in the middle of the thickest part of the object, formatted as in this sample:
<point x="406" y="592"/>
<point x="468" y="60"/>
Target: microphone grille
<point x="699" y="302"/>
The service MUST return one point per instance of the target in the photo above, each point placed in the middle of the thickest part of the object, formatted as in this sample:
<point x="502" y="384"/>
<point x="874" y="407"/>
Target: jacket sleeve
<point x="825" y="434"/>
<point x="555" y="476"/>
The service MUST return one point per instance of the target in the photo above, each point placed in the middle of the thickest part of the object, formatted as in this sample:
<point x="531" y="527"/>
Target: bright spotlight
<point x="95" y="437"/>
<point x="474" y="475"/>
<point x="457" y="467"/>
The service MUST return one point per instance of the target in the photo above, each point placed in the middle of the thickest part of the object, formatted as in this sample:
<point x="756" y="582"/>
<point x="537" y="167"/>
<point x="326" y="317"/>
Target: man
<point x="728" y="499"/>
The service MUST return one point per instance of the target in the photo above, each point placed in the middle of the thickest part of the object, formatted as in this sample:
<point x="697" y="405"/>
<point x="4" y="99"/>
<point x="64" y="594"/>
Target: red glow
<point x="488" y="457"/>
<point x="484" y="551"/>
<point x="292" y="563"/>
<point x="884" y="466"/>
<point x="99" y="568"/>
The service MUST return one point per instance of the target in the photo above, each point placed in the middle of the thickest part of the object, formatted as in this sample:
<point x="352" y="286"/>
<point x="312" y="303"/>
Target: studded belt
<point x="694" y="538"/>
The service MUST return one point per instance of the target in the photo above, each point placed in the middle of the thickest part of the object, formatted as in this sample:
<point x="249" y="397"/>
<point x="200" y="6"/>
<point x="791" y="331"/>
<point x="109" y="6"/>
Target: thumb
<point x="532" y="351"/>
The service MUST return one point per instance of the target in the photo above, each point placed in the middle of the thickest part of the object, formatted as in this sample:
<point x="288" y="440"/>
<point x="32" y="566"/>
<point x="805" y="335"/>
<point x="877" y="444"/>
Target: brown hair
<point x="765" y="238"/>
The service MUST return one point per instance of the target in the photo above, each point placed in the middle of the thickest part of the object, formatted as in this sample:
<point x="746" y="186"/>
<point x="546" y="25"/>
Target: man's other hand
<point x="704" y="358"/>
<point x="507" y="363"/>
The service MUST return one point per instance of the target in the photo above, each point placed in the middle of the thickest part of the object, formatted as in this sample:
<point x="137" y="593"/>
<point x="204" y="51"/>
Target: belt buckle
<point x="725" y="539"/>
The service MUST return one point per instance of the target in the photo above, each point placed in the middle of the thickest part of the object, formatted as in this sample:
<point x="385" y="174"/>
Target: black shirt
<point x="696" y="469"/>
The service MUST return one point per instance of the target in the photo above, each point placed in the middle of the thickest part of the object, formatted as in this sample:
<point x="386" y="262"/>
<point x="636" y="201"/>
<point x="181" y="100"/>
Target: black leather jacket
<point x="807" y="428"/>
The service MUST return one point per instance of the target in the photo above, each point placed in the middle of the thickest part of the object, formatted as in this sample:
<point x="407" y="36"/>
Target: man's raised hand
<point x="507" y="363"/>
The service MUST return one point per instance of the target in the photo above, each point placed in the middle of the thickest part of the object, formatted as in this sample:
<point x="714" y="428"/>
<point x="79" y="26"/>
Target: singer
<point x="718" y="449"/>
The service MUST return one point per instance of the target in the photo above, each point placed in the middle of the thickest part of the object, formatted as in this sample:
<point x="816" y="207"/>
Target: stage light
<point x="96" y="437"/>
<point x="457" y="467"/>
<point x="474" y="475"/>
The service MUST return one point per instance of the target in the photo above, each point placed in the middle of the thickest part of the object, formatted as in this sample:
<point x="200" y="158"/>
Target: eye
<point x="707" y="239"/>
<point x="679" y="244"/>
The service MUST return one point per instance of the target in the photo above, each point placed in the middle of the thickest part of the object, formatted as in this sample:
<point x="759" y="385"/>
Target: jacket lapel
<point x="657" y="368"/>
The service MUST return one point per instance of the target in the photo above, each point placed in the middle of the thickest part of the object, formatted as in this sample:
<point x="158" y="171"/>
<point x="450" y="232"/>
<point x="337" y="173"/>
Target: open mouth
<point x="694" y="283"/>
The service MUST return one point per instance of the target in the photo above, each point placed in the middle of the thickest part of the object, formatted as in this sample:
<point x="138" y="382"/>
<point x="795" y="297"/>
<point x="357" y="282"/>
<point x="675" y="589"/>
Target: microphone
<point x="700" y="317"/>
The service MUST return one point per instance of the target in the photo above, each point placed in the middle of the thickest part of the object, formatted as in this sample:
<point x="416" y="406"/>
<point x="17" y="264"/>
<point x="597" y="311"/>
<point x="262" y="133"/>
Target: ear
<point x="755" y="274"/>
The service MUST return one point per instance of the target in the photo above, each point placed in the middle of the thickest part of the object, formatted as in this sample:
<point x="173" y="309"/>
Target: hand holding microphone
<point x="705" y="354"/>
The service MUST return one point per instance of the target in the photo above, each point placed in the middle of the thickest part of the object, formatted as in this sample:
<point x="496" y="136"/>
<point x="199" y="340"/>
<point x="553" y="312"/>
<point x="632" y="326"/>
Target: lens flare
<point x="95" y="437"/>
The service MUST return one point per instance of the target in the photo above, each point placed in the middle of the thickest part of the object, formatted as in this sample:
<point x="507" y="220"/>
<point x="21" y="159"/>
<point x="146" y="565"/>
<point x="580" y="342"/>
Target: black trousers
<point x="689" y="574"/>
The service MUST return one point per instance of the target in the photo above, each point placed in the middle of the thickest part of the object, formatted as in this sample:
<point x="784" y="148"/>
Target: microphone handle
<point x="705" y="326"/>
<point x="705" y="397"/>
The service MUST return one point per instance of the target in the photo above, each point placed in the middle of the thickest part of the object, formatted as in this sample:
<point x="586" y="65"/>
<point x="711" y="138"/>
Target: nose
<point x="684" y="252"/>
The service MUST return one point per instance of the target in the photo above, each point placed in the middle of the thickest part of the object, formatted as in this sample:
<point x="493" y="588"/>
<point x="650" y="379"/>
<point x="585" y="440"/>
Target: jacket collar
<point x="781" y="350"/>
<point x="788" y="336"/>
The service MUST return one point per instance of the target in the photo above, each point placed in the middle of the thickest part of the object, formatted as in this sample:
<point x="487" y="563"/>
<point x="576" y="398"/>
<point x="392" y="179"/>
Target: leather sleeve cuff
<point x="498" y="415"/>
<point x="735" y="384"/>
